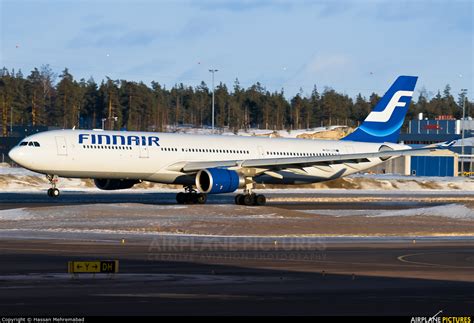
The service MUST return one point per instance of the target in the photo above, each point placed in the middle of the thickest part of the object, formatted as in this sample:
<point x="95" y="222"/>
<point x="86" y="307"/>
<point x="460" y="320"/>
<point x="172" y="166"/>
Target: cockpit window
<point x="30" y="143"/>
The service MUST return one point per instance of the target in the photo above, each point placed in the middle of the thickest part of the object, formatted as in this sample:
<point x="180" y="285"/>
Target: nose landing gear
<point x="53" y="191"/>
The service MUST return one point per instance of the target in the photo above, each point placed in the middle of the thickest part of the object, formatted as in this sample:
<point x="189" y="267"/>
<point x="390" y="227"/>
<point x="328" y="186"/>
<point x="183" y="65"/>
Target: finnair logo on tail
<point x="384" y="116"/>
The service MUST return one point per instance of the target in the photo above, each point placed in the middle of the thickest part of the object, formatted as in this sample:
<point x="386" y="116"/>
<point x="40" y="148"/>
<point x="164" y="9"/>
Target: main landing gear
<point x="53" y="191"/>
<point x="249" y="198"/>
<point x="191" y="196"/>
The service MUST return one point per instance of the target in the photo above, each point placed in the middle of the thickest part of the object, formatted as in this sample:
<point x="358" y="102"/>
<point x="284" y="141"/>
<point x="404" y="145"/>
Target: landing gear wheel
<point x="260" y="200"/>
<point x="201" y="198"/>
<point x="53" y="192"/>
<point x="249" y="199"/>
<point x="191" y="197"/>
<point x="239" y="199"/>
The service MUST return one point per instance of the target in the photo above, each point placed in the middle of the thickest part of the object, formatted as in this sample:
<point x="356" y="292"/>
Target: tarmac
<point x="277" y="271"/>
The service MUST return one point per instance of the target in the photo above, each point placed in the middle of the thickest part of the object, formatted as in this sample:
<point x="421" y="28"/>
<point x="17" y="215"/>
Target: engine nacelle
<point x="218" y="180"/>
<point x="114" y="184"/>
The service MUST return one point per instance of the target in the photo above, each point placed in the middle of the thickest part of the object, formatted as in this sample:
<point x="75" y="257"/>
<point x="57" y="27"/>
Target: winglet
<point x="446" y="145"/>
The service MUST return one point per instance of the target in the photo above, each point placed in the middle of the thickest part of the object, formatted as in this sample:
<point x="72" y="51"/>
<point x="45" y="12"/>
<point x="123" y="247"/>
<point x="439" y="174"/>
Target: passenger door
<point x="261" y="152"/>
<point x="61" y="146"/>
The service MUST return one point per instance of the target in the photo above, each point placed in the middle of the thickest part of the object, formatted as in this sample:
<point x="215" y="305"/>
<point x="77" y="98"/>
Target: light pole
<point x="213" y="71"/>
<point x="462" y="129"/>
<point x="112" y="119"/>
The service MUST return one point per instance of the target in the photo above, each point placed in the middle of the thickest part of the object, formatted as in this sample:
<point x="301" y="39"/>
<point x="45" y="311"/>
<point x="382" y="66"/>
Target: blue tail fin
<point x="384" y="122"/>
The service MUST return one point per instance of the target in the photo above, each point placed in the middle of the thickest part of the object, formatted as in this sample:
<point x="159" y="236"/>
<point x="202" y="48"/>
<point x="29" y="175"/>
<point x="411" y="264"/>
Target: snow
<point x="6" y="170"/>
<point x="16" y="215"/>
<point x="453" y="211"/>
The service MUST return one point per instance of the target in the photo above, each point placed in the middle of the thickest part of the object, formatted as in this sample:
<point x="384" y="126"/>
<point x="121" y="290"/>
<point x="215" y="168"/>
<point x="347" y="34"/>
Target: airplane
<point x="215" y="164"/>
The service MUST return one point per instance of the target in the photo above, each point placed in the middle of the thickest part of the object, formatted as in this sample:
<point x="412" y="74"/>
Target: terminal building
<point x="423" y="132"/>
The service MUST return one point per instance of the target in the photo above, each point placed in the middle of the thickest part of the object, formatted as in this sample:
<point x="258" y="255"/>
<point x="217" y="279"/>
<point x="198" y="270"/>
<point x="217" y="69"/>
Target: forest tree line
<point x="45" y="98"/>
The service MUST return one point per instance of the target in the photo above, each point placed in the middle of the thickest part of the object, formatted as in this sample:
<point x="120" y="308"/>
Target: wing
<point x="282" y="163"/>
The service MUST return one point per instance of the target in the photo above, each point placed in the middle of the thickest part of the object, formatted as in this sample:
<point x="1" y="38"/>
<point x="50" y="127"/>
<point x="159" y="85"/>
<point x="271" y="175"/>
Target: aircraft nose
<point x="15" y="155"/>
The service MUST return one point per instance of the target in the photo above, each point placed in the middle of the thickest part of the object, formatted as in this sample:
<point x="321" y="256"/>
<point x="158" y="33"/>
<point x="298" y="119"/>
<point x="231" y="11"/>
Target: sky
<point x="350" y="46"/>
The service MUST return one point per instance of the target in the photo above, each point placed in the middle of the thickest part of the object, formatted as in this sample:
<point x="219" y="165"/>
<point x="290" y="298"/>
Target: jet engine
<point x="218" y="180"/>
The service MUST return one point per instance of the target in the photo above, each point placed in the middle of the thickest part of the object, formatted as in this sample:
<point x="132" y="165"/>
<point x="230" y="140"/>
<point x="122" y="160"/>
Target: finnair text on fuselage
<point x="119" y="140"/>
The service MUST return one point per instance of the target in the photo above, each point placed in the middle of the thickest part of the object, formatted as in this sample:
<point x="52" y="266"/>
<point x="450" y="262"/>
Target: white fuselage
<point x="157" y="157"/>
